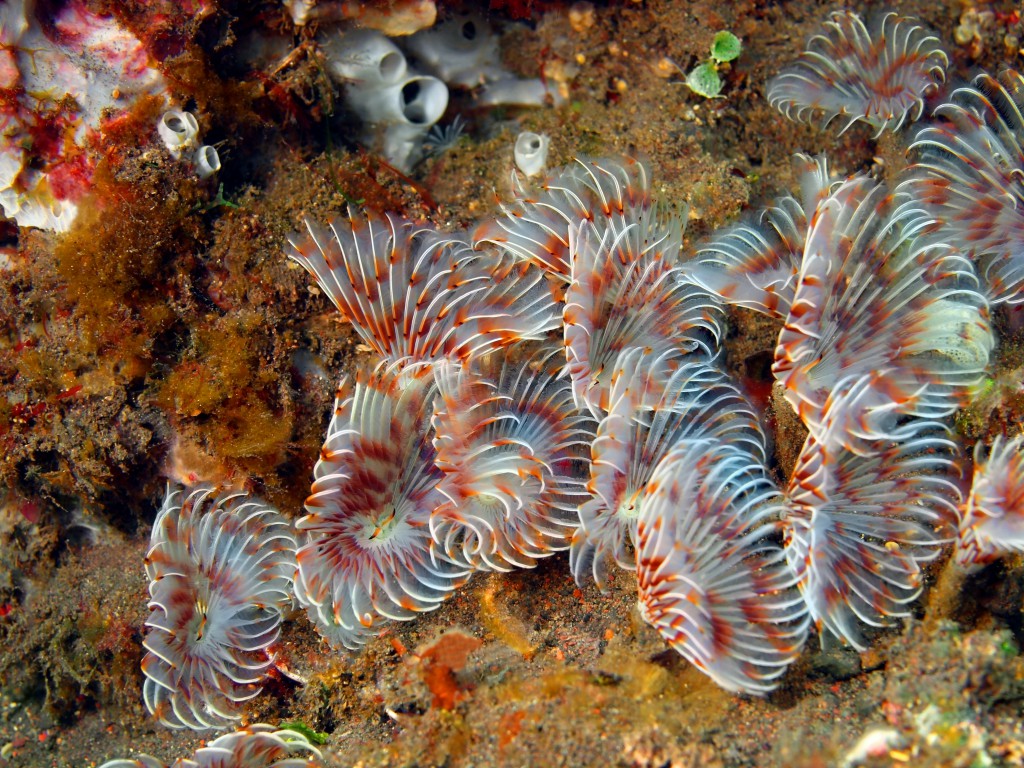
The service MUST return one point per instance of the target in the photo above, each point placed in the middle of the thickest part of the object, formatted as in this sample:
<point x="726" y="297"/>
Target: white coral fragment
<point x="66" y="77"/>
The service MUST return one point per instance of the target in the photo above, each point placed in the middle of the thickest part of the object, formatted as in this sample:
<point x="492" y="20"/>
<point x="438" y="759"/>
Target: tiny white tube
<point x="531" y="92"/>
<point x="300" y="10"/>
<point x="418" y="100"/>
<point x="206" y="161"/>
<point x="177" y="130"/>
<point x="461" y="50"/>
<point x="364" y="58"/>
<point x="531" y="152"/>
<point x="422" y="101"/>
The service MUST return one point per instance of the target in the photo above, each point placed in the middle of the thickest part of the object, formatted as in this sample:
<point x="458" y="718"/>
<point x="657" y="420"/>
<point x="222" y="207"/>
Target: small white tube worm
<point x="531" y="152"/>
<point x="206" y="161"/>
<point x="364" y="59"/>
<point x="177" y="130"/>
<point x="529" y="92"/>
<point x="462" y="50"/>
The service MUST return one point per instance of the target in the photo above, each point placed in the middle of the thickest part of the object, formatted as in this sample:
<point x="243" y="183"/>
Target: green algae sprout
<point x="725" y="47"/>
<point x="704" y="78"/>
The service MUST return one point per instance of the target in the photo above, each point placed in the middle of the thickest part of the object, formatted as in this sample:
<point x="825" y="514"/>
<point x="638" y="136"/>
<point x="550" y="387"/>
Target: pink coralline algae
<point x="967" y="176"/>
<point x="514" y="452"/>
<point x="365" y="556"/>
<point x="411" y="292"/>
<point x="221" y="566"/>
<point x="992" y="520"/>
<point x="69" y="74"/>
<point x="257" y="746"/>
<point x="848" y="72"/>
<point x="711" y="579"/>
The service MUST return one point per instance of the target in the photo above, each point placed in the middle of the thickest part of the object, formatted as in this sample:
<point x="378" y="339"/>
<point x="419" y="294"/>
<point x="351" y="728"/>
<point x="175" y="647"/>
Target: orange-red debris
<point x="441" y="660"/>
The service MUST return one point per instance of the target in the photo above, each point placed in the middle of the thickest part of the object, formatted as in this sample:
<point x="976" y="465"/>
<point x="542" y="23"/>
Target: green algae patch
<point x="314" y="737"/>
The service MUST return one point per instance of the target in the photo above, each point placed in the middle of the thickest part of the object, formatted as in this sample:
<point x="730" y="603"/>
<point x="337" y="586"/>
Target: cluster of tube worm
<point x="962" y="191"/>
<point x="553" y="379"/>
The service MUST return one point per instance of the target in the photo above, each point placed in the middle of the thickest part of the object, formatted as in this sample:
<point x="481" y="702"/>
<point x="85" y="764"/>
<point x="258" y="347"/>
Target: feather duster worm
<point x="968" y="176"/>
<point x="411" y="292"/>
<point x="697" y="401"/>
<point x="875" y="297"/>
<point x="365" y="552"/>
<point x="754" y="264"/>
<point x="221" y="569"/>
<point x="711" y="580"/>
<point x="858" y="527"/>
<point x="880" y="76"/>
<point x="992" y="523"/>
<point x="258" y="746"/>
<point x="535" y="225"/>
<point x="626" y="292"/>
<point x="513" y="449"/>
